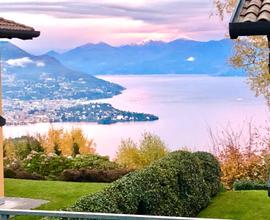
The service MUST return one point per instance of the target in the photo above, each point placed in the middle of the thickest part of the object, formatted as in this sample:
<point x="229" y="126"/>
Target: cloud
<point x="117" y="22"/>
<point x="40" y="64"/>
<point x="20" y="62"/>
<point x="23" y="62"/>
<point x="158" y="11"/>
<point x="190" y="59"/>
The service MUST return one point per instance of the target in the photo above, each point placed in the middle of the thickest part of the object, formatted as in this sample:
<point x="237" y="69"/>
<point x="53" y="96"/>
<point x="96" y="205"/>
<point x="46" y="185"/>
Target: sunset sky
<point x="65" y="24"/>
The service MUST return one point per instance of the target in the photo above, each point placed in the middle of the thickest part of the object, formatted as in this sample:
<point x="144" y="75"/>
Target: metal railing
<point x="6" y="213"/>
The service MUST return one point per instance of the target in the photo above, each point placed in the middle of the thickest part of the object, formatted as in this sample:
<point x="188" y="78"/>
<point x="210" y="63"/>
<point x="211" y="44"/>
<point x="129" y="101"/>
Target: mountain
<point x="155" y="57"/>
<point x="28" y="77"/>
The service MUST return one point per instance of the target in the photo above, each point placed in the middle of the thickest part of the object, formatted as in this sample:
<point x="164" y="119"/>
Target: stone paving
<point x="21" y="203"/>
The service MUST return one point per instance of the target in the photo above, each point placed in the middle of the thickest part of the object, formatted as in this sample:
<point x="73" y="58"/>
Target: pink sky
<point x="65" y="24"/>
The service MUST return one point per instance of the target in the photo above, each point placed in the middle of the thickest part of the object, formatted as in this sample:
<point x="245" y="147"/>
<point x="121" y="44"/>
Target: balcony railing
<point x="5" y="214"/>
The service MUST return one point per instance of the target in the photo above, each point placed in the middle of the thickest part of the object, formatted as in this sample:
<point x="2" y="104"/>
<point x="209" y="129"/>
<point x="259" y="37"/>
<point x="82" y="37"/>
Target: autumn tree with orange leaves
<point x="66" y="143"/>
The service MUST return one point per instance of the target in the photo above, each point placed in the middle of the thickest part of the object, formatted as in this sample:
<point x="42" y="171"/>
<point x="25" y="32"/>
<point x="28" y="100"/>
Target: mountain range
<point x="43" y="77"/>
<point x="180" y="56"/>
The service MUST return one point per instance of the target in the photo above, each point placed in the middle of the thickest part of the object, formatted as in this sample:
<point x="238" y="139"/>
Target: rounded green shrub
<point x="50" y="165"/>
<point x="179" y="184"/>
<point x="211" y="171"/>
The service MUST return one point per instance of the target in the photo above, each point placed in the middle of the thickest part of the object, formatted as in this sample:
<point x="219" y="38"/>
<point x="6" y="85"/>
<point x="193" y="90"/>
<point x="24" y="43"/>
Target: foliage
<point x="20" y="148"/>
<point x="137" y="156"/>
<point x="249" y="185"/>
<point x="173" y="185"/>
<point x="93" y="161"/>
<point x="211" y="171"/>
<point x="224" y="7"/>
<point x="50" y="165"/>
<point x="93" y="175"/>
<point x="84" y="167"/>
<point x="66" y="143"/>
<point x="243" y="156"/>
<point x="48" y="155"/>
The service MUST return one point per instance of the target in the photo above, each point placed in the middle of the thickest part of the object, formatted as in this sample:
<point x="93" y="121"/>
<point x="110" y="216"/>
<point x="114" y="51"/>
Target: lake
<point x="187" y="106"/>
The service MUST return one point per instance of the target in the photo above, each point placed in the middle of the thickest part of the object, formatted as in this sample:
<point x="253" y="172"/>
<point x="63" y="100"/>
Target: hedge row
<point x="21" y="174"/>
<point x="180" y="184"/>
<point x="74" y="175"/>
<point x="249" y="185"/>
<point x="93" y="175"/>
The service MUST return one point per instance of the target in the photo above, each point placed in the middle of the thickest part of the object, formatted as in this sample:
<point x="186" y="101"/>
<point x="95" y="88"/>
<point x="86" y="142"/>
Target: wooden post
<point x="1" y="140"/>
<point x="268" y="39"/>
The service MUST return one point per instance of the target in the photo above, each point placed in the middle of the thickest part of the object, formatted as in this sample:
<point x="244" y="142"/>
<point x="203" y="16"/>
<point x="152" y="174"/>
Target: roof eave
<point x="238" y="29"/>
<point x="24" y="35"/>
<point x="237" y="10"/>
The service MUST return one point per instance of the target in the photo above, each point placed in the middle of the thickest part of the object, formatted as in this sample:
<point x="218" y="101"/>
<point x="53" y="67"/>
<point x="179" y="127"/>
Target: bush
<point x="176" y="185"/>
<point x="95" y="175"/>
<point x="9" y="173"/>
<point x="249" y="185"/>
<point x="211" y="171"/>
<point x="93" y="161"/>
<point x="242" y="153"/>
<point x="50" y="165"/>
<point x="21" y="174"/>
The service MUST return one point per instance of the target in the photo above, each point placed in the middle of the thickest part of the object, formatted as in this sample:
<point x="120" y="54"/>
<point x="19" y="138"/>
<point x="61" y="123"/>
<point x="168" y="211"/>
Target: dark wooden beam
<point x="237" y="29"/>
<point x="24" y="35"/>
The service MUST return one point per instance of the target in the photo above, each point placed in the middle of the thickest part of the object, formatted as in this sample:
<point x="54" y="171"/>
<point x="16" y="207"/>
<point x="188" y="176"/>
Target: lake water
<point x="186" y="105"/>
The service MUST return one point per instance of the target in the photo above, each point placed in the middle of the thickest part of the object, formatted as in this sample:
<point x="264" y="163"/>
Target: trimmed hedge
<point x="249" y="185"/>
<point x="21" y="174"/>
<point x="180" y="184"/>
<point x="93" y="175"/>
<point x="211" y="171"/>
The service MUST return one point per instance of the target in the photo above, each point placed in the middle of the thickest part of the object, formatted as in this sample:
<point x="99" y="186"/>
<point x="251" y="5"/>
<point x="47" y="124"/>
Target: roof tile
<point x="11" y="25"/>
<point x="255" y="10"/>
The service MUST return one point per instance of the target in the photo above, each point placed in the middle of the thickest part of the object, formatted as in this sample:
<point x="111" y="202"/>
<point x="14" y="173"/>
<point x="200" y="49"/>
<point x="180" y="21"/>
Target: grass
<point x="248" y="205"/>
<point x="59" y="194"/>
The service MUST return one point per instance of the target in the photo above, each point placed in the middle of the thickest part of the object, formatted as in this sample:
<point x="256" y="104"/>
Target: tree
<point x="67" y="143"/>
<point x="243" y="154"/>
<point x="250" y="54"/>
<point x="80" y="143"/>
<point x="128" y="154"/>
<point x="151" y="149"/>
<point x="137" y="156"/>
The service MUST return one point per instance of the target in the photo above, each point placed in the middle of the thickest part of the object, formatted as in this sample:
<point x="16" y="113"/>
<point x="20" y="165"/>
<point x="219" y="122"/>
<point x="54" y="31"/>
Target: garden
<point x="145" y="177"/>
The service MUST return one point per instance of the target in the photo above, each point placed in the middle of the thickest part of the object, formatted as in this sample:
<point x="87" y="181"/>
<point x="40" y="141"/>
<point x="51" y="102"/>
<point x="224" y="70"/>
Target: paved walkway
<point x="21" y="203"/>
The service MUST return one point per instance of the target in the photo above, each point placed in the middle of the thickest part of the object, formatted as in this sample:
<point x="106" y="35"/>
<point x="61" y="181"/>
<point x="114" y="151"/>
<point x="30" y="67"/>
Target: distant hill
<point x="155" y="57"/>
<point x="44" y="77"/>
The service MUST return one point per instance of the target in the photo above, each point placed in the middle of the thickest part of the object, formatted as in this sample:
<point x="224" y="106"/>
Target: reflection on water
<point x="186" y="105"/>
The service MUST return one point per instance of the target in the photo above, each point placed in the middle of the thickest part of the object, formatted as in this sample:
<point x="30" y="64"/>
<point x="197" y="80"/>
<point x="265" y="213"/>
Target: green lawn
<point x="248" y="205"/>
<point x="60" y="194"/>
